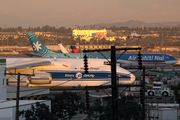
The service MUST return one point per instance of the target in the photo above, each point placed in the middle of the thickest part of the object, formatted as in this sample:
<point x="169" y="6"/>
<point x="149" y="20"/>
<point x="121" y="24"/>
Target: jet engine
<point x="41" y="78"/>
<point x="12" y="81"/>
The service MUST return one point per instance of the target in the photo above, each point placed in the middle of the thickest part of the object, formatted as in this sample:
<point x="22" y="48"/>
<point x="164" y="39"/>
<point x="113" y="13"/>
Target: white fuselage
<point x="68" y="73"/>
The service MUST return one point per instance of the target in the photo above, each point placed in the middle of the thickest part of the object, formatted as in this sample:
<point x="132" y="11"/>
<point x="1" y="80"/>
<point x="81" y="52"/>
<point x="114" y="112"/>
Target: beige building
<point x="88" y="34"/>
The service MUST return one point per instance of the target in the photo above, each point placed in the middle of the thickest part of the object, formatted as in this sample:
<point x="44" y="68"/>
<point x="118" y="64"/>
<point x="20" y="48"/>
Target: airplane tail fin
<point x="37" y="45"/>
<point x="74" y="49"/>
<point x="62" y="48"/>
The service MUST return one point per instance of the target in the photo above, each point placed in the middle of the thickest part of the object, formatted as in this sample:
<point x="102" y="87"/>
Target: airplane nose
<point x="126" y="77"/>
<point x="129" y="80"/>
<point x="175" y="61"/>
<point x="132" y="78"/>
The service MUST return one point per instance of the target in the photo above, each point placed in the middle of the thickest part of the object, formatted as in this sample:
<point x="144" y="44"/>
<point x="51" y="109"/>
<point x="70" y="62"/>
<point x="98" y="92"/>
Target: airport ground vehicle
<point x="158" y="89"/>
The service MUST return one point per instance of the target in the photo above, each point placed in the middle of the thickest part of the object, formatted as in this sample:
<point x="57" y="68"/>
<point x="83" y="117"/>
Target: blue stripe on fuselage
<point x="148" y="57"/>
<point x="80" y="75"/>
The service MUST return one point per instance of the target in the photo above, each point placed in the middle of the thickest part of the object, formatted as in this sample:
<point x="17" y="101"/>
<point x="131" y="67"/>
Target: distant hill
<point x="136" y="23"/>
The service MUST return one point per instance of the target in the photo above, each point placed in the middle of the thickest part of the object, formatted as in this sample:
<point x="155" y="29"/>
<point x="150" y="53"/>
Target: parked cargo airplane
<point x="126" y="60"/>
<point x="63" y="73"/>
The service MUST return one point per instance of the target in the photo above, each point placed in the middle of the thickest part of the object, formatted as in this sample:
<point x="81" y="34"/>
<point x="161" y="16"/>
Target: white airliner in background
<point x="134" y="35"/>
<point x="126" y="60"/>
<point x="63" y="73"/>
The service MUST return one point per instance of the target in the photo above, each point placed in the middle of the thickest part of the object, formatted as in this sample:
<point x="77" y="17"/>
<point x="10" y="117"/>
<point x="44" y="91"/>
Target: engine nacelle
<point x="41" y="78"/>
<point x="12" y="81"/>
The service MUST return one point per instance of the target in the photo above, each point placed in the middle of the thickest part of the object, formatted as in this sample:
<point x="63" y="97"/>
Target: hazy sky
<point x="34" y="13"/>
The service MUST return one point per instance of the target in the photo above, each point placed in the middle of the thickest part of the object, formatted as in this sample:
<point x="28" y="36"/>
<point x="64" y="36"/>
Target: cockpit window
<point x="171" y="57"/>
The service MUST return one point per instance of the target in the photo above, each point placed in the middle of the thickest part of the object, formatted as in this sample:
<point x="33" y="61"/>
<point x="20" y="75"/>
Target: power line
<point x="23" y="104"/>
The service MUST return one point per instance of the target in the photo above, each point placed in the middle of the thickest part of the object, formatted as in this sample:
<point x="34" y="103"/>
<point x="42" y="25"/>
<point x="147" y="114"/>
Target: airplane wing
<point x="26" y="68"/>
<point x="26" y="64"/>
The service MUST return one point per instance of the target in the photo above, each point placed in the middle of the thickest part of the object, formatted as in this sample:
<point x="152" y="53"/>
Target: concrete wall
<point x="2" y="79"/>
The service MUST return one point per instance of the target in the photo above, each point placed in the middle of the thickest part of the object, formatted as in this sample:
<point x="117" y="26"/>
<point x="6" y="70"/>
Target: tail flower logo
<point x="36" y="46"/>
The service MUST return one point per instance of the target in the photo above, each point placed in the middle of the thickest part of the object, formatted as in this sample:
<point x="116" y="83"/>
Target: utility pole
<point x="17" y="94"/>
<point x="17" y="98"/>
<point x="114" y="83"/>
<point x="143" y="87"/>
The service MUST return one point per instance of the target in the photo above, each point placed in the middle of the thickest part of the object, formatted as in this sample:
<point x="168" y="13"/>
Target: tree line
<point x="167" y="36"/>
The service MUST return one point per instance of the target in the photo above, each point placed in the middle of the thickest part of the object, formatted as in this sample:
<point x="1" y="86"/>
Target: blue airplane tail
<point x="37" y="45"/>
